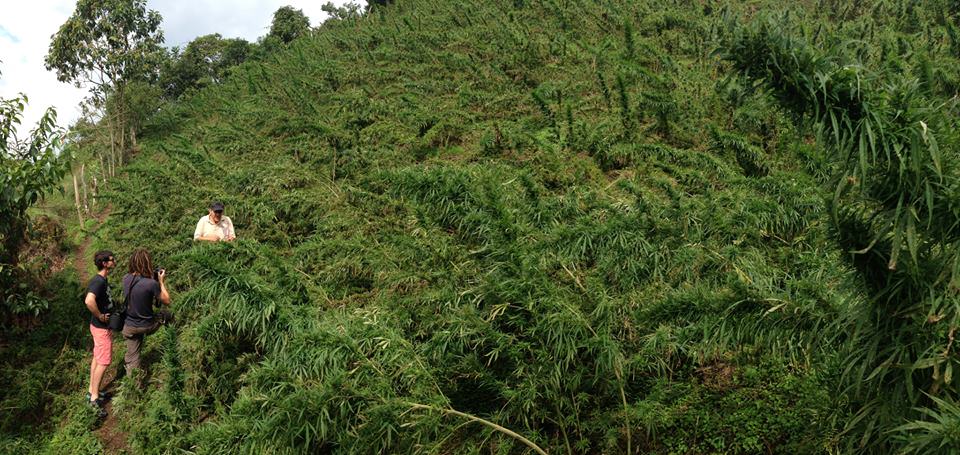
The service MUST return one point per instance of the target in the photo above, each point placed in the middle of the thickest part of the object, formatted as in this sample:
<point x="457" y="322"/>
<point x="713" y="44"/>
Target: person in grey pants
<point x="143" y="291"/>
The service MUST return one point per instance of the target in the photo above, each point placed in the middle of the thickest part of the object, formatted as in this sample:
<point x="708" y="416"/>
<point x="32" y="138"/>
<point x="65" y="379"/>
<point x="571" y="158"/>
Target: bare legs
<point x="96" y="377"/>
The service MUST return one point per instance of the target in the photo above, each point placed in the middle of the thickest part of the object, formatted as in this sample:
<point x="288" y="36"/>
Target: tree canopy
<point x="289" y="24"/>
<point x="105" y="43"/>
<point x="203" y="61"/>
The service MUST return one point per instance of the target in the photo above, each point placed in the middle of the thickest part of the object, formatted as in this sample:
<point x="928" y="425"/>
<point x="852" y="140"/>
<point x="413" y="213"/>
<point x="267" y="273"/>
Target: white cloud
<point x="248" y="19"/>
<point x="26" y="29"/>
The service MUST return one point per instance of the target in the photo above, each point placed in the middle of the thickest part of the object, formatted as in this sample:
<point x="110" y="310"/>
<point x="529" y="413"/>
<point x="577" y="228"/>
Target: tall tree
<point x="289" y="24"/>
<point x="204" y="61"/>
<point x="106" y="45"/>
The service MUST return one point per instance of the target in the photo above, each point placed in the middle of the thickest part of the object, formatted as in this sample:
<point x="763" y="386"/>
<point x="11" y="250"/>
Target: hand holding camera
<point x="159" y="274"/>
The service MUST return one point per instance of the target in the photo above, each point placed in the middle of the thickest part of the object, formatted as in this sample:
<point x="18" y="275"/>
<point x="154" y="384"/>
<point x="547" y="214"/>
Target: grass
<point x="573" y="223"/>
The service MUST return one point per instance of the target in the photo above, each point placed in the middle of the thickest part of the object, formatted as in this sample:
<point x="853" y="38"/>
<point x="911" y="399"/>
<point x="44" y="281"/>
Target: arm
<point x="231" y="235"/>
<point x="198" y="231"/>
<point x="164" y="295"/>
<point x="91" y="302"/>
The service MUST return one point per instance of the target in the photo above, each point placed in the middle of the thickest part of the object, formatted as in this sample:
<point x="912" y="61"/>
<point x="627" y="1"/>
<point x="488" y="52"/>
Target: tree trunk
<point x="83" y="185"/>
<point x="76" y="197"/>
<point x="123" y="142"/>
<point x="113" y="147"/>
<point x="121" y="124"/>
<point x="13" y="238"/>
<point x="103" y="170"/>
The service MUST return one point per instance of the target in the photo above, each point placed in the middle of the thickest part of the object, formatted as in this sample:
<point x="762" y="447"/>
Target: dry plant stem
<point x="619" y="367"/>
<point x="626" y="408"/>
<point x="488" y="423"/>
<point x="563" y="430"/>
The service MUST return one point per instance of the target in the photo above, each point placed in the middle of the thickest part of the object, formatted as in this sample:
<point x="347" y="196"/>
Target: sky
<point x="27" y="26"/>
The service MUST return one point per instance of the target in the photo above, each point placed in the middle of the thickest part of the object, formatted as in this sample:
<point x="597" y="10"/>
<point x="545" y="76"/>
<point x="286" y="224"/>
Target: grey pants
<point x="133" y="337"/>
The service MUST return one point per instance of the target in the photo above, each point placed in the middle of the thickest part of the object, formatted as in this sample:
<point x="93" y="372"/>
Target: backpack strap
<point x="127" y="292"/>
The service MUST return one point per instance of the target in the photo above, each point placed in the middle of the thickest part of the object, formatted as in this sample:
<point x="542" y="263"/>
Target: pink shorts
<point x="102" y="345"/>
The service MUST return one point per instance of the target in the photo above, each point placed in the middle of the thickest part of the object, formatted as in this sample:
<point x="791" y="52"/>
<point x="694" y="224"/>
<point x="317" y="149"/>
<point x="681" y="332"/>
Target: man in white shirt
<point x="214" y="227"/>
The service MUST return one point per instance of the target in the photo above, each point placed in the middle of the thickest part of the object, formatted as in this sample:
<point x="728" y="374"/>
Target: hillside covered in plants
<point x="529" y="226"/>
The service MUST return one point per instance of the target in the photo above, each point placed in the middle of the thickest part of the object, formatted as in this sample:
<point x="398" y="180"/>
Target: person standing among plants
<point x="100" y="304"/>
<point x="214" y="226"/>
<point x="142" y="288"/>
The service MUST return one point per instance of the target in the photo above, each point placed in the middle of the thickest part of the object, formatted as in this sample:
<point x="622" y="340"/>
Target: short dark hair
<point x="101" y="258"/>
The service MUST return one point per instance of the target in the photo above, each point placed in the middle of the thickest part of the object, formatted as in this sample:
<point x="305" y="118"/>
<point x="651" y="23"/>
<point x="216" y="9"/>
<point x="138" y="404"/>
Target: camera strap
<point x="127" y="292"/>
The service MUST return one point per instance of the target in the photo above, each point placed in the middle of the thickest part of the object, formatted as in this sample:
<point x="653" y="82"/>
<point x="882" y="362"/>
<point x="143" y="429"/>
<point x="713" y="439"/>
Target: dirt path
<point x="113" y="440"/>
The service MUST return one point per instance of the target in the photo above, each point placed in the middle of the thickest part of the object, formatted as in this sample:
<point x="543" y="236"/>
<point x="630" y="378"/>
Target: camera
<point x="156" y="273"/>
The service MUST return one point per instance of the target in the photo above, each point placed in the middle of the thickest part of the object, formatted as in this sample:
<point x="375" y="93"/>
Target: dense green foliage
<point x="606" y="226"/>
<point x="892" y="142"/>
<point x="204" y="61"/>
<point x="31" y="167"/>
<point x="43" y="371"/>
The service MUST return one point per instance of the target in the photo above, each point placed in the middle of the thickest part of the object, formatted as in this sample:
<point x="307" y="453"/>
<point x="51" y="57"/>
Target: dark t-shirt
<point x="142" y="296"/>
<point x="100" y="288"/>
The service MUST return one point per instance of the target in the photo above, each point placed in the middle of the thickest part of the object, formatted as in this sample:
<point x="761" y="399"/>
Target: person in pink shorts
<point x="100" y="304"/>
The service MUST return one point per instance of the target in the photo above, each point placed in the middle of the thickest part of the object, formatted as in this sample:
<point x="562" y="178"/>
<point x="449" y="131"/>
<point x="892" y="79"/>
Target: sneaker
<point x="98" y="408"/>
<point x="101" y="399"/>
